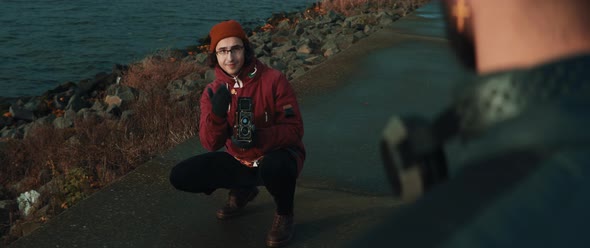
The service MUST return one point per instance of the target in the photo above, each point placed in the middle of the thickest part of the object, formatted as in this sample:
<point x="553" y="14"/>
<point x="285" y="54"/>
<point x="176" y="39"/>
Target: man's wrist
<point x="216" y="119"/>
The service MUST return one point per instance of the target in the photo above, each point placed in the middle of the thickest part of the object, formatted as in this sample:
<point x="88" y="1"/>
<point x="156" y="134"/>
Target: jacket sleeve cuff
<point x="216" y="119"/>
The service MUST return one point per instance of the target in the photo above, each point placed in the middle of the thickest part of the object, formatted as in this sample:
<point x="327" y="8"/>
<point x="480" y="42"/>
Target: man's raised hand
<point x="220" y="101"/>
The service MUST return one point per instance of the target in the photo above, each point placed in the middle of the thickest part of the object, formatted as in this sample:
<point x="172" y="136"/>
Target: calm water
<point x="44" y="43"/>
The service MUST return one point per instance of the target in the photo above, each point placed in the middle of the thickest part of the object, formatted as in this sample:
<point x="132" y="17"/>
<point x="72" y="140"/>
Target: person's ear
<point x="459" y="16"/>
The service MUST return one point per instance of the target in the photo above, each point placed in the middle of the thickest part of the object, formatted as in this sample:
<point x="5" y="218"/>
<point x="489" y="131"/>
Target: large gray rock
<point x="314" y="60"/>
<point x="368" y="29"/>
<point x="346" y="24"/>
<point x="76" y="103"/>
<point x="307" y="45"/>
<point x="262" y="51"/>
<point x="359" y="35"/>
<point x="193" y="76"/>
<point x="120" y="97"/>
<point x="7" y="132"/>
<point x="305" y="49"/>
<point x="98" y="106"/>
<point x="279" y="40"/>
<point x="265" y="60"/>
<point x="20" y="113"/>
<point x="178" y="89"/>
<point x="51" y="187"/>
<point x="201" y="58"/>
<point x="65" y="121"/>
<point x="33" y="104"/>
<point x="359" y="22"/>
<point x="315" y="35"/>
<point x="88" y="114"/>
<point x="279" y="65"/>
<point x="281" y="32"/>
<point x="329" y="44"/>
<point x="329" y="52"/>
<point x="385" y="19"/>
<point x="298" y="30"/>
<point x="44" y="121"/>
<point x="126" y="93"/>
<point x="210" y="75"/>
<point x="344" y="41"/>
<point x="284" y="25"/>
<point x="279" y="51"/>
<point x="289" y="56"/>
<point x="100" y="82"/>
<point x="297" y="73"/>
<point x="264" y="37"/>
<point x="333" y="17"/>
<point x="61" y="99"/>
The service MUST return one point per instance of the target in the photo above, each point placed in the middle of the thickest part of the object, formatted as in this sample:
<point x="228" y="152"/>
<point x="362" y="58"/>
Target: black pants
<point x="205" y="173"/>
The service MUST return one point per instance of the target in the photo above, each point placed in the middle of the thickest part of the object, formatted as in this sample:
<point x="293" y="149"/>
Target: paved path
<point x="342" y="191"/>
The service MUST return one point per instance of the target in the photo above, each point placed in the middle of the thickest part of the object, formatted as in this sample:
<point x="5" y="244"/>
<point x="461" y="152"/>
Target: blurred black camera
<point x="244" y="128"/>
<point x="413" y="155"/>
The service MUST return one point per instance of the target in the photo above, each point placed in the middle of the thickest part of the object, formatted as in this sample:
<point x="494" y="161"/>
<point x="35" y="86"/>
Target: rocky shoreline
<point x="290" y="42"/>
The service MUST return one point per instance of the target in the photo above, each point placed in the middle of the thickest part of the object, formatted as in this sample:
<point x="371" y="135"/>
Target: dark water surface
<point x="47" y="42"/>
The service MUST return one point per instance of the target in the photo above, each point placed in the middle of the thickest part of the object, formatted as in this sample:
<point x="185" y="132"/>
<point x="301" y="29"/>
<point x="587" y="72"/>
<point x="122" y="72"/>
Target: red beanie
<point x="226" y="29"/>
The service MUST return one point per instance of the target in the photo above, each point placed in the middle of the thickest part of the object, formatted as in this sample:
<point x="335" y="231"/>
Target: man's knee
<point x="279" y="162"/>
<point x="187" y="176"/>
<point x="177" y="177"/>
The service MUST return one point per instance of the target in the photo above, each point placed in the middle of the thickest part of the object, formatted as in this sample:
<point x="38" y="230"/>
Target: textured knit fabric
<point x="224" y="30"/>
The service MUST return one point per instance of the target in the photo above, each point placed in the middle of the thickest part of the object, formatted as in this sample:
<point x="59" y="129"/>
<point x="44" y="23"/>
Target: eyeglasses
<point x="229" y="51"/>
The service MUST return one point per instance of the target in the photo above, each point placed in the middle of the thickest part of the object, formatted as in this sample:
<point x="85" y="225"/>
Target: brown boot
<point x="281" y="231"/>
<point x="237" y="200"/>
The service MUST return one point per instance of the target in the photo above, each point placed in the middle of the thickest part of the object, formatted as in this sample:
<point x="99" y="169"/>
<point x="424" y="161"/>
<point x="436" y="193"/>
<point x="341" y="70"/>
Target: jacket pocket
<point x="264" y="119"/>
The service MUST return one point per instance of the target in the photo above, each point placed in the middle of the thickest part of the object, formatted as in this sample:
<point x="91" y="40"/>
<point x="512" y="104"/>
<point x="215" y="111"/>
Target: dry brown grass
<point x="161" y="119"/>
<point x="100" y="149"/>
<point x="408" y="6"/>
<point x="352" y="7"/>
<point x="157" y="70"/>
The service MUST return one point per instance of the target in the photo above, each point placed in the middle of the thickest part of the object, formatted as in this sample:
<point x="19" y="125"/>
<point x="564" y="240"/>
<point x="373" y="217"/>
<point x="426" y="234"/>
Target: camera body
<point x="413" y="157"/>
<point x="244" y="127"/>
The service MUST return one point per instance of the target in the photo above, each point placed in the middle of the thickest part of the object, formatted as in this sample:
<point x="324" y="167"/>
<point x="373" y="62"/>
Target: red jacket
<point x="277" y="118"/>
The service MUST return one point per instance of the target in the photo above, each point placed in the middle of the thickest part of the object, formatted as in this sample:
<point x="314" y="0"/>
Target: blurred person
<point x="252" y="111"/>
<point x="507" y="164"/>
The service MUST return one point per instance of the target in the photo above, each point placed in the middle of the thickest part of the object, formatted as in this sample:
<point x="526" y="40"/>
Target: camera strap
<point x="238" y="83"/>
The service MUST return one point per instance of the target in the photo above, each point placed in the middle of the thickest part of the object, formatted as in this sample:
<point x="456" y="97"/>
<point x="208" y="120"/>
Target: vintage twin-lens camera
<point x="244" y="127"/>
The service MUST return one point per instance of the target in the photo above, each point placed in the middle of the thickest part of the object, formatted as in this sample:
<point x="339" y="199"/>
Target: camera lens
<point x="245" y="120"/>
<point x="244" y="131"/>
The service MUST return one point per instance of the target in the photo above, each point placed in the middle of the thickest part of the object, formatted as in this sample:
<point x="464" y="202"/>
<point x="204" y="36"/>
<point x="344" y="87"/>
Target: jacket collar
<point x="247" y="74"/>
<point x="502" y="96"/>
<point x="542" y="108"/>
